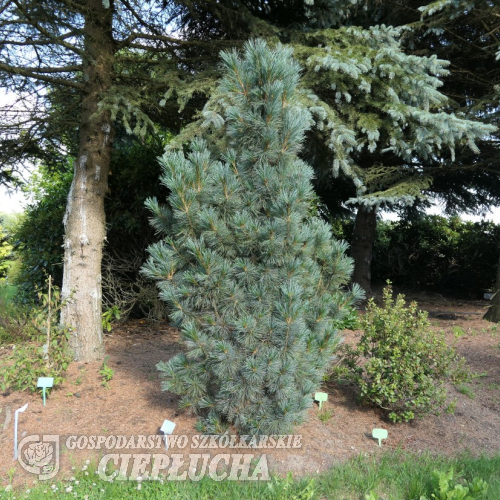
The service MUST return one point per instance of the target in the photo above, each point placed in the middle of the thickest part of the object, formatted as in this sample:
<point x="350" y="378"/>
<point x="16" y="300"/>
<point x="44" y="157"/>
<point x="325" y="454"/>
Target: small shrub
<point x="109" y="317"/>
<point x="14" y="322"/>
<point x="350" y="321"/>
<point x="400" y="364"/>
<point x="106" y="372"/>
<point x="42" y="349"/>
<point x="30" y="361"/>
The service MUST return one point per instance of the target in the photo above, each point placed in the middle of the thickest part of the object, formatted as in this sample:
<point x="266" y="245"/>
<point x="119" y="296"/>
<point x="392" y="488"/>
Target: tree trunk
<point x="84" y="220"/>
<point x="493" y="313"/>
<point x="362" y="246"/>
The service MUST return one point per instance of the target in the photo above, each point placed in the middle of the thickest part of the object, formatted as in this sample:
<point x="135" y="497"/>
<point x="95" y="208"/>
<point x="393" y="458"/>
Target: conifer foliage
<point x="252" y="273"/>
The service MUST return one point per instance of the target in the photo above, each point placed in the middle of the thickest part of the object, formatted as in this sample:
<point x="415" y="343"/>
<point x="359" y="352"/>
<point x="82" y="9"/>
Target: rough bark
<point x="84" y="220"/>
<point x="493" y="313"/>
<point x="362" y="246"/>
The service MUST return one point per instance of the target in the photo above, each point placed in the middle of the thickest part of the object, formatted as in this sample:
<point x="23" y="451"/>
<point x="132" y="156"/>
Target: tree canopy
<point x="80" y="69"/>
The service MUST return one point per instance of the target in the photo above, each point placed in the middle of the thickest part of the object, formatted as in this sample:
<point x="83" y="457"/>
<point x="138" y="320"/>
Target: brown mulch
<point x="134" y="403"/>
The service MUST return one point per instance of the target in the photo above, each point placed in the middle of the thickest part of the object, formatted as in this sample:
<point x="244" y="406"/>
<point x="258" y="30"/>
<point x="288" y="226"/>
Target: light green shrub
<point x="400" y="363"/>
<point x="445" y="488"/>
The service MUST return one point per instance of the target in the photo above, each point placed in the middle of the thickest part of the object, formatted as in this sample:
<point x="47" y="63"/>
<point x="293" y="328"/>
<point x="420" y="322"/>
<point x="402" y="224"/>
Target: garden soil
<point x="134" y="403"/>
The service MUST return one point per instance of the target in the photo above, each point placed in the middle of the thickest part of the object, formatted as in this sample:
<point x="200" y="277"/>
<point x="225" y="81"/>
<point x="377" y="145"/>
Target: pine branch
<point x="74" y="6"/>
<point x="175" y="42"/>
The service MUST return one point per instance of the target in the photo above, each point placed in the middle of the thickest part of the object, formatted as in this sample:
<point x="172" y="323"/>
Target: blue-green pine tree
<point x="252" y="273"/>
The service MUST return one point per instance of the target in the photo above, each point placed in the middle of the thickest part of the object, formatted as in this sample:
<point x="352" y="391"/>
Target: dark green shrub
<point x="437" y="253"/>
<point x="38" y="235"/>
<point x="5" y="252"/>
<point x="14" y="320"/>
<point x="433" y="253"/>
<point x="400" y="364"/>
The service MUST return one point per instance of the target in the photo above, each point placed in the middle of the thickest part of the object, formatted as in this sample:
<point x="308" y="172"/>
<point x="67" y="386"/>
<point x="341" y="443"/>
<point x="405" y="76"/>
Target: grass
<point x="395" y="475"/>
<point x="325" y="415"/>
<point x="466" y="390"/>
<point x="7" y="292"/>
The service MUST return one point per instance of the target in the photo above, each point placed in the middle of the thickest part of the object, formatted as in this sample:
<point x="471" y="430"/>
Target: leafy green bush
<point x="445" y="489"/>
<point x="29" y="361"/>
<point x="15" y="323"/>
<point x="438" y="253"/>
<point x="38" y="235"/>
<point x="400" y="364"/>
<point x="42" y="346"/>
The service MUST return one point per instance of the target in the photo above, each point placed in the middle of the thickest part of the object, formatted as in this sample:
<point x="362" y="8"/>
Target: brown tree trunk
<point x="362" y="246"/>
<point x="84" y="220"/>
<point x="493" y="313"/>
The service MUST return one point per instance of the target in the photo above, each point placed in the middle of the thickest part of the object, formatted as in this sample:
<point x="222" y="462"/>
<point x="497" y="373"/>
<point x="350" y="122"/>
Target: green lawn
<point x="395" y="475"/>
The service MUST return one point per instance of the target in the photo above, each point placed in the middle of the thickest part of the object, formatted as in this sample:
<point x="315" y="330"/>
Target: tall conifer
<point x="252" y="273"/>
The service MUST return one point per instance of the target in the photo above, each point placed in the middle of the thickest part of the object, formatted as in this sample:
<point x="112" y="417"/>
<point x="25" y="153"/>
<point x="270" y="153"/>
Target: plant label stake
<point x="167" y="428"/>
<point x="45" y="382"/>
<point x="320" y="397"/>
<point x="379" y="434"/>
<point x="16" y="417"/>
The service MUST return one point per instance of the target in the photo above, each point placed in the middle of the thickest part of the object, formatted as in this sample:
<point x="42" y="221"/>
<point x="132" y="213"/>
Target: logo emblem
<point x="40" y="456"/>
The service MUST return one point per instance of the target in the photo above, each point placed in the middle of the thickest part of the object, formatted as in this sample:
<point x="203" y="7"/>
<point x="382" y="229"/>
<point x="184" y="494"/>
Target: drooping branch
<point x="158" y="38"/>
<point x="32" y="73"/>
<point x="140" y="19"/>
<point x="57" y="40"/>
<point x="66" y="69"/>
<point x="35" y="43"/>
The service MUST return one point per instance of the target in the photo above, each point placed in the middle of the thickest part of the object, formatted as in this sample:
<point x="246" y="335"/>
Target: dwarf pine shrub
<point x="252" y="274"/>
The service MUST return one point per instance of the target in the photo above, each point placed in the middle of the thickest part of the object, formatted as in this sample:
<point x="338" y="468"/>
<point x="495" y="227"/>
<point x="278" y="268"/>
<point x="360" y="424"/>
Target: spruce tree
<point x="252" y="273"/>
<point x="379" y="118"/>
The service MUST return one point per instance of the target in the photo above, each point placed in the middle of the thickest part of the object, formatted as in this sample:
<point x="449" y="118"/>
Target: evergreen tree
<point x="111" y="62"/>
<point x="251" y="272"/>
<point x="379" y="118"/>
<point x="468" y="33"/>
